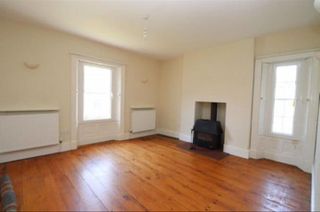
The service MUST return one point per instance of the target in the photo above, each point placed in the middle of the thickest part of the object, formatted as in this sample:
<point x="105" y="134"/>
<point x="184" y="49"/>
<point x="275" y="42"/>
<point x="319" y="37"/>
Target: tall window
<point x="284" y="99"/>
<point x="97" y="92"/>
<point x="283" y="95"/>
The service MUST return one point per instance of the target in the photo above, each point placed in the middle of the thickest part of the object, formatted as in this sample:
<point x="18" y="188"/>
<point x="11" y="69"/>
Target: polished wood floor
<point x="153" y="174"/>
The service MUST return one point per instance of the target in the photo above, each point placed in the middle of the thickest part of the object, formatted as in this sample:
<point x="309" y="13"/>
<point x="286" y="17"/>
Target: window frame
<point x="81" y="65"/>
<point x="268" y="95"/>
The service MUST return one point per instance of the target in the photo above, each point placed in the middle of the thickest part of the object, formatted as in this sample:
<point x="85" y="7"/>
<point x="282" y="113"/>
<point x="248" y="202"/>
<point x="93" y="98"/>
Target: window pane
<point x="284" y="99"/>
<point x="96" y="106"/>
<point x="283" y="117"/>
<point x="97" y="79"/>
<point x="285" y="90"/>
<point x="286" y="73"/>
<point x="97" y="93"/>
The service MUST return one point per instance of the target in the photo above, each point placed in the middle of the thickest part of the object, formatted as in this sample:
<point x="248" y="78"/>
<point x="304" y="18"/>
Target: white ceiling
<point x="174" y="26"/>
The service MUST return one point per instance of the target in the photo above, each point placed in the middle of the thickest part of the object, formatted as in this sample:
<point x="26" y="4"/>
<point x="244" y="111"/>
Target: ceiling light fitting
<point x="145" y="28"/>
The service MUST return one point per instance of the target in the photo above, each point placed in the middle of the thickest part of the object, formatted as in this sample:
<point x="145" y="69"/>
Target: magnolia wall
<point x="220" y="74"/>
<point x="301" y="39"/>
<point x="170" y="83"/>
<point x="49" y="86"/>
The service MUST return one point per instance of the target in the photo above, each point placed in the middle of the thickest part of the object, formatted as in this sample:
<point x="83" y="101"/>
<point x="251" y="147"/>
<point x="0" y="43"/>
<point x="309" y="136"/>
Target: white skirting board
<point x="138" y="135"/>
<point x="237" y="151"/>
<point x="233" y="150"/>
<point x="18" y="155"/>
<point x="185" y="137"/>
<point x="303" y="165"/>
<point x="169" y="133"/>
<point x="119" y="137"/>
<point x="65" y="146"/>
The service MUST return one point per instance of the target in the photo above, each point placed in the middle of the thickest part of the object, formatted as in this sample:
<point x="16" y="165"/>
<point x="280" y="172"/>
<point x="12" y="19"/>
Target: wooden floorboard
<point x="154" y="174"/>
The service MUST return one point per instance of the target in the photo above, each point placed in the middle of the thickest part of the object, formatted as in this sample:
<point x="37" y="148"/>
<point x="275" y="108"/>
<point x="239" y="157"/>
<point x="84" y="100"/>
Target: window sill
<point x="97" y="121"/>
<point x="282" y="137"/>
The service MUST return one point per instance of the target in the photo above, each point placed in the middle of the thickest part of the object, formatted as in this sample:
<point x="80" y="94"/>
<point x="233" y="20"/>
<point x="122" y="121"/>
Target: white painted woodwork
<point x="298" y="152"/>
<point x="88" y="132"/>
<point x="315" y="197"/>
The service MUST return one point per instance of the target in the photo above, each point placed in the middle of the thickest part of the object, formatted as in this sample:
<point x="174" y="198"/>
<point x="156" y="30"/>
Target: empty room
<point x="159" y="105"/>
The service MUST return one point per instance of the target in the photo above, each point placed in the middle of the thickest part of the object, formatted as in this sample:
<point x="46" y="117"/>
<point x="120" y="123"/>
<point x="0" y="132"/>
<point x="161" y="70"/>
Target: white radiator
<point x="26" y="130"/>
<point x="143" y="119"/>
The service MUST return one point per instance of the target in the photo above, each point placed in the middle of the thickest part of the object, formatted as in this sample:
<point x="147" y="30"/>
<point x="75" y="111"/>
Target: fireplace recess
<point x="207" y="132"/>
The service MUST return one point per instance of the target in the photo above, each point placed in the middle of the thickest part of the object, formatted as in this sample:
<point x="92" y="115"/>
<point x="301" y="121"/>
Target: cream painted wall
<point x="221" y="74"/>
<point x="295" y="40"/>
<point x="49" y="86"/>
<point x="170" y="96"/>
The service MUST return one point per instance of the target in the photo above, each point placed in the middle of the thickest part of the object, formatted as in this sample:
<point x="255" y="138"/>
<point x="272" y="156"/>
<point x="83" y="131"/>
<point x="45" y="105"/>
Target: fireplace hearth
<point x="207" y="132"/>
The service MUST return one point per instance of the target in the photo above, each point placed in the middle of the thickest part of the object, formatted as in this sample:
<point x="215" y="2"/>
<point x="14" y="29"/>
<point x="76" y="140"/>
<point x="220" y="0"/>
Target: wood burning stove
<point x="207" y="133"/>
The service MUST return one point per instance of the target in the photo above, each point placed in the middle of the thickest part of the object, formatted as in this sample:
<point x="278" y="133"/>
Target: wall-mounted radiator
<point x="143" y="119"/>
<point x="21" y="130"/>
